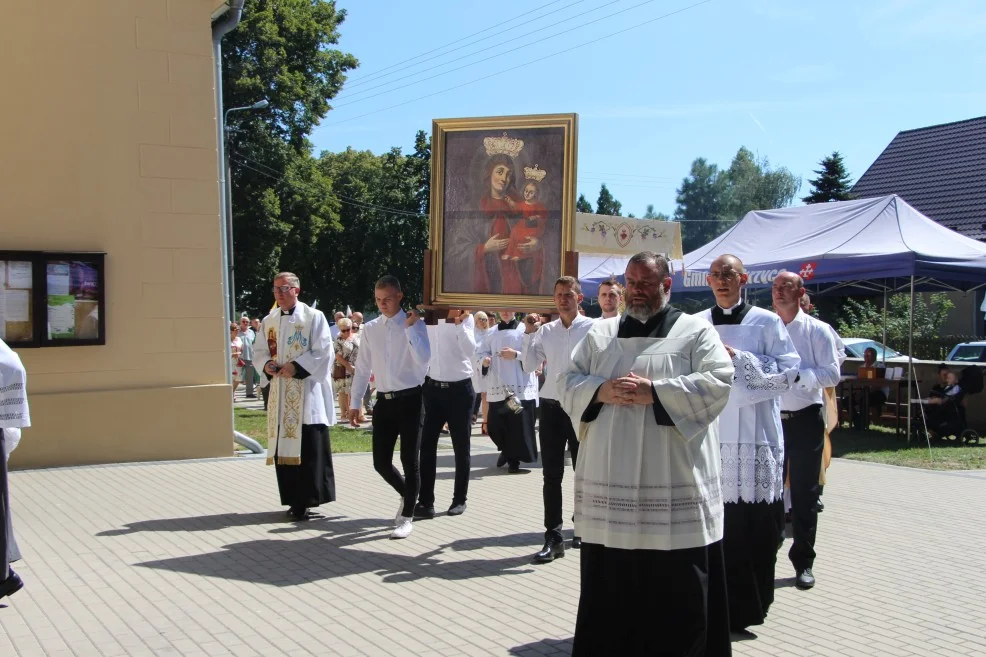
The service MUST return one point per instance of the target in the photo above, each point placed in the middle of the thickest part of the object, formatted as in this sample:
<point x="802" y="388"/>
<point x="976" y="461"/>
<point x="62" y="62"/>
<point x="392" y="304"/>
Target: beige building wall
<point x="108" y="130"/>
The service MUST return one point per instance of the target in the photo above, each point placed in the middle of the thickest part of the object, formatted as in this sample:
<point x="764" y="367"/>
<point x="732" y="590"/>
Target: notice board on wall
<point x="52" y="299"/>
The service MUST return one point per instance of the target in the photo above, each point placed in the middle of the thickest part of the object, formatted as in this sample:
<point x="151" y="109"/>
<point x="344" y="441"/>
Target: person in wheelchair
<point x="946" y="413"/>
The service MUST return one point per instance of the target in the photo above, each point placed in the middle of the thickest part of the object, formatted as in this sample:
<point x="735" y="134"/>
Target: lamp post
<point x="260" y="104"/>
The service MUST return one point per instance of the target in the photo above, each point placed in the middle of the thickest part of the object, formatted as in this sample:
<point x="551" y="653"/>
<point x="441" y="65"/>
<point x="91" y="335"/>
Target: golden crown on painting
<point x="536" y="174"/>
<point x="503" y="145"/>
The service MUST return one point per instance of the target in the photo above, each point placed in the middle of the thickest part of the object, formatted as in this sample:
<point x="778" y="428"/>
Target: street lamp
<point x="260" y="104"/>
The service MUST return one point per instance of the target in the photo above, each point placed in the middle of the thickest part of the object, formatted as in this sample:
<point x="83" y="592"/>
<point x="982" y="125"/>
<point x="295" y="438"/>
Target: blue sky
<point x="791" y="80"/>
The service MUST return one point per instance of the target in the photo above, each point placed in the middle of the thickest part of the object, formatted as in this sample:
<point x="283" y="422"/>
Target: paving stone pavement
<point x="197" y="558"/>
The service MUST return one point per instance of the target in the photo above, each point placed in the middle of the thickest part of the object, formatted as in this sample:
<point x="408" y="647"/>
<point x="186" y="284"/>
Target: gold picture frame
<point x="502" y="210"/>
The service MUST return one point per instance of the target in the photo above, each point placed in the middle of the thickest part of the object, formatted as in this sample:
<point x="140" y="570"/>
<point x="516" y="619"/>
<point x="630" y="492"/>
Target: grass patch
<point x="881" y="445"/>
<point x="344" y="439"/>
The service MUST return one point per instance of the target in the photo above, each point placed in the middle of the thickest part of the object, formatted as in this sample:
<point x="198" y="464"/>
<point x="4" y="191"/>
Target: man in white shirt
<point x="555" y="342"/>
<point x="751" y="442"/>
<point x="803" y="418"/>
<point x="511" y="392"/>
<point x="394" y="348"/>
<point x="610" y="295"/>
<point x="448" y="397"/>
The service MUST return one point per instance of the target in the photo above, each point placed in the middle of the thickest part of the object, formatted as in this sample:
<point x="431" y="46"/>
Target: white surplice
<point x="506" y="377"/>
<point x="638" y="484"/>
<point x="478" y="380"/>
<point x="750" y="436"/>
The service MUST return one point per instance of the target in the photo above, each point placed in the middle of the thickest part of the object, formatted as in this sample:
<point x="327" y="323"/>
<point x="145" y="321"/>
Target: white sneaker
<point x="403" y="529"/>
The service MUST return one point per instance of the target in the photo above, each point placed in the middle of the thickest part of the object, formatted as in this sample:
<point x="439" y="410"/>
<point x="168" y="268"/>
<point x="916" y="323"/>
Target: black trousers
<point x="453" y="405"/>
<point x="667" y="603"/>
<point x="477" y="404"/>
<point x="393" y="419"/>
<point x="312" y="482"/>
<point x="556" y="434"/>
<point x="804" y="441"/>
<point x="265" y="391"/>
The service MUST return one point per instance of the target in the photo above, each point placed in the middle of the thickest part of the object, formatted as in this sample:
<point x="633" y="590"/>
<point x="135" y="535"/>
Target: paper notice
<point x="19" y="275"/>
<point x="59" y="279"/>
<point x="61" y="315"/>
<point x="16" y="305"/>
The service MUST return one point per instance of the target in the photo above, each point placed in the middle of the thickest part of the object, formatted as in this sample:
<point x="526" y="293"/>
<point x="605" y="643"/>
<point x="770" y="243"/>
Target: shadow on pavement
<point x="199" y="523"/>
<point x="784" y="582"/>
<point x="341" y="550"/>
<point x="481" y="465"/>
<point x="544" y="647"/>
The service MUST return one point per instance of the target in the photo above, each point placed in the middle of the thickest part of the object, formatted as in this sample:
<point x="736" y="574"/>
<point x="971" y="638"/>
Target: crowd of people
<point x="694" y="438"/>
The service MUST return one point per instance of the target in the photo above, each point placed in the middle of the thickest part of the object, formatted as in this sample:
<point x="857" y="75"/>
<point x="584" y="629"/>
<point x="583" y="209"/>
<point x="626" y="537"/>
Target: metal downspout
<point x="220" y="27"/>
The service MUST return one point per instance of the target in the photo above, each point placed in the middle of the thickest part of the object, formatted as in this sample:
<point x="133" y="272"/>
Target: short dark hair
<point x="613" y="283"/>
<point x="942" y="366"/>
<point x="570" y="281"/>
<point x="873" y="349"/>
<point x="648" y="257"/>
<point x="388" y="281"/>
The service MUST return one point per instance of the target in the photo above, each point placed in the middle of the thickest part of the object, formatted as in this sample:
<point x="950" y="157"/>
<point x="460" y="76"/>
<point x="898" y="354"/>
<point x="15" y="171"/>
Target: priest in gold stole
<point x="294" y="348"/>
<point x="751" y="441"/>
<point x="644" y="391"/>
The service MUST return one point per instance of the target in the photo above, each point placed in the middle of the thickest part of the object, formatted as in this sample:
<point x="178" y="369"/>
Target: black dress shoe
<point x="576" y="543"/>
<point x="422" y="512"/>
<point x="11" y="585"/>
<point x="553" y="549"/>
<point x="502" y="461"/>
<point x="298" y="513"/>
<point x="805" y="579"/>
<point x="457" y="509"/>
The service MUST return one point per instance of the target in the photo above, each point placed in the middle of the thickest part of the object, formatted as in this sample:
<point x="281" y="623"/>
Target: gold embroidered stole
<point x="286" y="403"/>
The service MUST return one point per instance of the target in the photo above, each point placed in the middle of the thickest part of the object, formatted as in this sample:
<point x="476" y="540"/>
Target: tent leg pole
<point x="884" y="326"/>
<point x="910" y="360"/>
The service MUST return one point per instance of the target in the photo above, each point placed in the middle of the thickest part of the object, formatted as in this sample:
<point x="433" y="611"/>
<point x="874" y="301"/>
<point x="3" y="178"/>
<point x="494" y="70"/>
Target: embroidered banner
<point x="600" y="233"/>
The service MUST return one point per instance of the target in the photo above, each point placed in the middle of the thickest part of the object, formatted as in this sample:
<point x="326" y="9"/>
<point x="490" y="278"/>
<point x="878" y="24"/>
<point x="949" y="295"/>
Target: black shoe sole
<point x="554" y="555"/>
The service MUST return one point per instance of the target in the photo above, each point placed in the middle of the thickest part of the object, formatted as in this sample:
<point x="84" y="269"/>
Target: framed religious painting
<point x="502" y="210"/>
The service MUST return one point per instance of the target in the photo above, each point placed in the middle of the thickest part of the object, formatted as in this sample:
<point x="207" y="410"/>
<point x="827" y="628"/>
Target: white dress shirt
<point x="453" y="347"/>
<point x="506" y="377"/>
<point x="819" y="362"/>
<point x="554" y="343"/>
<point x="396" y="355"/>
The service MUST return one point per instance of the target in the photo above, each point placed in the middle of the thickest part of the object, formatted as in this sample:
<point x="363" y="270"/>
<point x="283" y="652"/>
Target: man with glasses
<point x="296" y="349"/>
<point x="751" y="443"/>
<point x="394" y="348"/>
<point x="645" y="391"/>
<point x="803" y="419"/>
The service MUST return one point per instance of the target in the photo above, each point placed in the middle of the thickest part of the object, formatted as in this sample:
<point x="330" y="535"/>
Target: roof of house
<point x="940" y="170"/>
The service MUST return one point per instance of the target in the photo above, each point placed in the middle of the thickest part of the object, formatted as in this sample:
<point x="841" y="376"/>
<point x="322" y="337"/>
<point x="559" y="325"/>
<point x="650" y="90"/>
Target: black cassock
<point x="312" y="482"/>
<point x="651" y="602"/>
<point x="8" y="546"/>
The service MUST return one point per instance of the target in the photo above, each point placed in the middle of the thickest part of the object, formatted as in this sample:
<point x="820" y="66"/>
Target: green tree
<point x="583" y="205"/>
<point x="700" y="202"/>
<point x="281" y="202"/>
<point x="862" y="318"/>
<point x="651" y="214"/>
<point x="832" y="183"/>
<point x="606" y="204"/>
<point x="752" y="185"/>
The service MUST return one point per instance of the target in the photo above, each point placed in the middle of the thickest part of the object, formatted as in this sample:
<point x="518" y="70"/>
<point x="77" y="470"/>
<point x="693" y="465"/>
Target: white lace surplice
<point x="640" y="485"/>
<point x="750" y="436"/>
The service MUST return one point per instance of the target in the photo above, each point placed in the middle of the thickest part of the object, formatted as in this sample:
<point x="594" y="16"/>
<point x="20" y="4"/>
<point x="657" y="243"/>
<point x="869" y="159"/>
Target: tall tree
<point x="281" y="202"/>
<point x="832" y="183"/>
<point x="651" y="214"/>
<point x="606" y="204"/>
<point x="752" y="185"/>
<point x="583" y="205"/>
<point x="700" y="200"/>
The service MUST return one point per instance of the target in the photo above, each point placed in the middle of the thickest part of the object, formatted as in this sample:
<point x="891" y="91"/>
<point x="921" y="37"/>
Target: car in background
<point x="856" y="346"/>
<point x="969" y="352"/>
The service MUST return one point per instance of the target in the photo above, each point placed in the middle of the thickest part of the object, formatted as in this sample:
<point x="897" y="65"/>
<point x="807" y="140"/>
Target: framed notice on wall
<point x="52" y="299"/>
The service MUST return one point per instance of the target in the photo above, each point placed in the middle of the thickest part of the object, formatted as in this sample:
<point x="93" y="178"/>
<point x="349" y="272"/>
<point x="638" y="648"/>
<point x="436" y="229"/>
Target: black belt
<point x="446" y="384"/>
<point x="545" y="401"/>
<point x="397" y="394"/>
<point x="788" y="415"/>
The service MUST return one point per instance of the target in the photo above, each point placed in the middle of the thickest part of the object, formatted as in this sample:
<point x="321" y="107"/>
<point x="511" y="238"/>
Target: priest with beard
<point x="295" y="347"/>
<point x="644" y="391"/>
<point x="751" y="442"/>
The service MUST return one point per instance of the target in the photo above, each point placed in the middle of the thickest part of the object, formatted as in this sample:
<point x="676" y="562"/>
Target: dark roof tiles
<point x="940" y="170"/>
